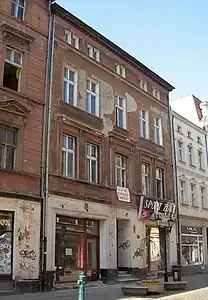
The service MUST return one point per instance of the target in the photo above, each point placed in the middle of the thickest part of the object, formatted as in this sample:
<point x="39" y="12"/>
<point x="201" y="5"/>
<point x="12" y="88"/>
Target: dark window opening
<point x="11" y="76"/>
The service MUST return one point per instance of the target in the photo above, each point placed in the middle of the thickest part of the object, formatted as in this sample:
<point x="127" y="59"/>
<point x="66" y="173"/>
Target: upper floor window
<point x="121" y="164"/>
<point x="145" y="179"/>
<point x="180" y="150"/>
<point x="92" y="101"/>
<point x="200" y="159"/>
<point x="143" y="84"/>
<point x="178" y="128"/>
<point x="158" y="130"/>
<point x="18" y="8"/>
<point x="199" y="139"/>
<point x="159" y="183"/>
<point x="190" y="155"/>
<point x="12" y="69"/>
<point x="72" y="39"/>
<point x="8" y="144"/>
<point x="68" y="155"/>
<point x="121" y="112"/>
<point x="92" y="163"/>
<point x="70" y="86"/>
<point x="193" y="193"/>
<point x="156" y="93"/>
<point x="202" y="192"/>
<point x="182" y="191"/>
<point x="144" y="128"/>
<point x="120" y="70"/>
<point x="189" y="134"/>
<point x="93" y="52"/>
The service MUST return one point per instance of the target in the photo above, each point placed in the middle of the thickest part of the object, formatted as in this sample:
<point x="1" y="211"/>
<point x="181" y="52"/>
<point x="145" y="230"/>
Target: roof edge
<point x="57" y="9"/>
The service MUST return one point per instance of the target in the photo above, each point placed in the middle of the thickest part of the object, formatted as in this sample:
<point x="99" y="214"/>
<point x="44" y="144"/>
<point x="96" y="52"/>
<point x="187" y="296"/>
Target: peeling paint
<point x="82" y="89"/>
<point x="131" y="103"/>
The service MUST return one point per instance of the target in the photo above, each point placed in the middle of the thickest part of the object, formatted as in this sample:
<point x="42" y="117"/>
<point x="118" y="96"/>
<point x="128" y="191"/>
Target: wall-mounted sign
<point x="149" y="209"/>
<point x="123" y="194"/>
<point x="191" y="230"/>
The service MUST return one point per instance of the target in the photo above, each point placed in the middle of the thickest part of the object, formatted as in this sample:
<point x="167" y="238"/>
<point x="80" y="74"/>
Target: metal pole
<point x="165" y="258"/>
<point x="81" y="284"/>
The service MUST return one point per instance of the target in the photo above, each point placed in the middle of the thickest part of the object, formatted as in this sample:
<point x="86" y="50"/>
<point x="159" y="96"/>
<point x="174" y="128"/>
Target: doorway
<point x="77" y="249"/>
<point x="123" y="245"/>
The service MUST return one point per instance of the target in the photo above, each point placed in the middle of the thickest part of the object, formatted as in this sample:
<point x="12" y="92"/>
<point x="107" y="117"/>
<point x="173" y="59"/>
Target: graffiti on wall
<point x="25" y="266"/>
<point x="138" y="252"/>
<point x="27" y="254"/>
<point x="125" y="245"/>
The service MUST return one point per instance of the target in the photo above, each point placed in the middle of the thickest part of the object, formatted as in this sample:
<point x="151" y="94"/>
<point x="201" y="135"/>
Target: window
<point x="189" y="134"/>
<point x="70" y="86"/>
<point x="156" y="93"/>
<point x="190" y="155"/>
<point x="144" y="130"/>
<point x="158" y="130"/>
<point x="8" y="144"/>
<point x="200" y="159"/>
<point x="159" y="183"/>
<point x="120" y="70"/>
<point x="145" y="179"/>
<point x="93" y="53"/>
<point x="182" y="191"/>
<point x="121" y="170"/>
<point x="192" y="249"/>
<point x="72" y="39"/>
<point x="121" y="112"/>
<point x="193" y="193"/>
<point x="92" y="101"/>
<point x="199" y="139"/>
<point x="202" y="192"/>
<point x="180" y="150"/>
<point x="143" y="85"/>
<point x="178" y="128"/>
<point x="68" y="155"/>
<point x="12" y="69"/>
<point x="18" y="8"/>
<point x="92" y="163"/>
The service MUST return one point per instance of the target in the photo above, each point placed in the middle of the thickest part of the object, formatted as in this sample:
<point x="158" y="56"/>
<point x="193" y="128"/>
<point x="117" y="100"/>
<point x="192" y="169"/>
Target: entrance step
<point x="134" y="290"/>
<point x="175" y="285"/>
<point x="127" y="280"/>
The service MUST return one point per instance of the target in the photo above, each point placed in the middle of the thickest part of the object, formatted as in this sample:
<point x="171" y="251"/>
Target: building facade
<point x="192" y="180"/>
<point x="109" y="153"/>
<point x="23" y="45"/>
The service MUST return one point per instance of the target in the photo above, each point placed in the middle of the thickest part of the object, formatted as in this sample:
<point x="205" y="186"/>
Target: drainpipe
<point x="175" y="191"/>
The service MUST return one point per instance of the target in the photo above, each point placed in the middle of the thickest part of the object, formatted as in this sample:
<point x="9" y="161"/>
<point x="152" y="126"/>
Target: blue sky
<point x="168" y="36"/>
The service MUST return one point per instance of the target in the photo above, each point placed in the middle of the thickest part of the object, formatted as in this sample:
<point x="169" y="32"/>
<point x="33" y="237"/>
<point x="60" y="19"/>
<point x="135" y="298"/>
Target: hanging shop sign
<point x="123" y="194"/>
<point x="150" y="209"/>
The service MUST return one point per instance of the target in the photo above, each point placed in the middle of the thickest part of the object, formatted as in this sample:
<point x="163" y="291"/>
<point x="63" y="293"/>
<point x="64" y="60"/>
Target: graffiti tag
<point x="138" y="252"/>
<point x="125" y="245"/>
<point x="26" y="267"/>
<point x="27" y="254"/>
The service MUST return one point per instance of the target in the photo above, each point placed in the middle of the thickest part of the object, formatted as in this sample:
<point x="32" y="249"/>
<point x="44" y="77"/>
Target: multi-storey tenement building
<point x="23" y="45"/>
<point x="109" y="154"/>
<point x="192" y="176"/>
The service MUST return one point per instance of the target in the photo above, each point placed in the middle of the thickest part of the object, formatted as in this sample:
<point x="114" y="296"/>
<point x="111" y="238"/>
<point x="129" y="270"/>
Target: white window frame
<point x="143" y="85"/>
<point x="6" y="145"/>
<point x="96" y="94"/>
<point x="93" y="52"/>
<point x="159" y="128"/>
<point x="190" y="155"/>
<point x="90" y="159"/>
<point x="12" y="62"/>
<point x="71" y="151"/>
<point x="144" y="124"/>
<point x="122" y="168"/>
<point x="120" y="70"/>
<point x="145" y="179"/>
<point x="158" y="95"/>
<point x="193" y="193"/>
<point x="68" y="39"/>
<point x="161" y="179"/>
<point x="121" y="109"/>
<point x="200" y="159"/>
<point x="182" y="188"/>
<point x="180" y="147"/>
<point x="69" y="82"/>
<point x="17" y="5"/>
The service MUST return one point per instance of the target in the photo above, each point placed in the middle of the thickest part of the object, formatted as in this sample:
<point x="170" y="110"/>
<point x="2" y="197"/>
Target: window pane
<point x="70" y="143"/>
<point x="118" y="177"/>
<point x="93" y="87"/>
<point x="20" y="13"/>
<point x="120" y="102"/>
<point x="88" y="103"/>
<point x="119" y="117"/>
<point x="71" y="94"/>
<point x="66" y="73"/>
<point x="13" y="9"/>
<point x="123" y="178"/>
<point x="93" y="105"/>
<point x="64" y="163"/>
<point x="94" y="151"/>
<point x="21" y="2"/>
<point x="8" y="54"/>
<point x="70" y="166"/>
<point x="71" y="75"/>
<point x="2" y="159"/>
<point x="2" y="134"/>
<point x="17" y="58"/>
<point x="65" y="92"/>
<point x="11" y="137"/>
<point x="118" y="160"/>
<point x="89" y="169"/>
<point x="88" y="85"/>
<point x="94" y="171"/>
<point x="10" y="158"/>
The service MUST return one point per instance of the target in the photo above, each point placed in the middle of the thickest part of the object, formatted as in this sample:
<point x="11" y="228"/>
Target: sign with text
<point x="191" y="230"/>
<point x="150" y="209"/>
<point x="123" y="194"/>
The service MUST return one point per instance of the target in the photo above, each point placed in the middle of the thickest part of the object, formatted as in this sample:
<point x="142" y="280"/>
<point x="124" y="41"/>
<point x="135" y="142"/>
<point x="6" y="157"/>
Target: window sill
<point x="121" y="130"/>
<point x="184" y="203"/>
<point x="195" y="205"/>
<point x="201" y="169"/>
<point x="182" y="162"/>
<point x="192" y="166"/>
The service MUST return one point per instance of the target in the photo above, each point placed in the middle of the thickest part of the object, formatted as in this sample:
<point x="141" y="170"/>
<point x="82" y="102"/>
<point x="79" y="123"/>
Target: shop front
<point x="76" y="248"/>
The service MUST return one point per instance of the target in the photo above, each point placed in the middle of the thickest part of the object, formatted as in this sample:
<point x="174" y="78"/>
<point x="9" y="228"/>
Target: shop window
<point x="8" y="143"/>
<point x="12" y="69"/>
<point x="192" y="249"/>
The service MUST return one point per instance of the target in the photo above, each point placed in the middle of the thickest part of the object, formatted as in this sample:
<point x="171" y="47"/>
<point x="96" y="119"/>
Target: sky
<point x="168" y="36"/>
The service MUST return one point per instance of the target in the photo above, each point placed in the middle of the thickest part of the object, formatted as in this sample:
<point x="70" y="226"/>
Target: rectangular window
<point x="120" y="70"/>
<point x="178" y="128"/>
<point x="12" y="69"/>
<point x="158" y="130"/>
<point x="189" y="134"/>
<point x="200" y="159"/>
<point x="145" y="179"/>
<point x="121" y="112"/>
<point x="193" y="193"/>
<point x="180" y="150"/>
<point x="92" y="101"/>
<point x="182" y="191"/>
<point x="92" y="163"/>
<point x="18" y="9"/>
<point x="93" y="53"/>
<point x="143" y="85"/>
<point x="70" y="87"/>
<point x="121" y="164"/>
<point x="68" y="156"/>
<point x="159" y="183"/>
<point x="72" y="39"/>
<point x="8" y="144"/>
<point x="190" y="155"/>
<point x="144" y="128"/>
<point x="156" y="93"/>
<point x="199" y="139"/>
<point x="202" y="192"/>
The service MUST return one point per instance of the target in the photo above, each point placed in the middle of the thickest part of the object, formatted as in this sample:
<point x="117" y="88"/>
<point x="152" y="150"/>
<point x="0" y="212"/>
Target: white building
<point x="192" y="188"/>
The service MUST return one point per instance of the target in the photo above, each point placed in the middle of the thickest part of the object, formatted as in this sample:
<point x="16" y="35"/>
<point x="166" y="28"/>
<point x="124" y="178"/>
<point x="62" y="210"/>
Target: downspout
<point x="42" y="168"/>
<point x="175" y="191"/>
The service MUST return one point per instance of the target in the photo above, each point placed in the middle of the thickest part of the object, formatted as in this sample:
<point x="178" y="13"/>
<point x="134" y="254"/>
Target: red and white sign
<point x="123" y="194"/>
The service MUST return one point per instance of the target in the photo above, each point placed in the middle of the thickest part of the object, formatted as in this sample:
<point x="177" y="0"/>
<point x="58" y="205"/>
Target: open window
<point x="12" y="69"/>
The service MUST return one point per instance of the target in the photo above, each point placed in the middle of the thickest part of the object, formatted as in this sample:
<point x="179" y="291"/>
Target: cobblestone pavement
<point x="197" y="289"/>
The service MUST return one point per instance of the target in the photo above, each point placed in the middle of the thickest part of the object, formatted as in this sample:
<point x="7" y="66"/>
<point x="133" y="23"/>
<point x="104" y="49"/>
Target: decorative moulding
<point x="14" y="107"/>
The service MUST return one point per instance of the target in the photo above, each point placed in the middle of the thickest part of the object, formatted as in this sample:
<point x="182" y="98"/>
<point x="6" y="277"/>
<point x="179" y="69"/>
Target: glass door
<point x="92" y="259"/>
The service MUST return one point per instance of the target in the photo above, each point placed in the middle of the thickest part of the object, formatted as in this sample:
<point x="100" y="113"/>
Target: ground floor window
<point x="6" y="242"/>
<point x="192" y="249"/>
<point x="77" y="248"/>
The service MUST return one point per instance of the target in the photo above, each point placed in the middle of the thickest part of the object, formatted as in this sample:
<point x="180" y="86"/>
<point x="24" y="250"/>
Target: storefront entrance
<point x="77" y="248"/>
<point x="6" y="245"/>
